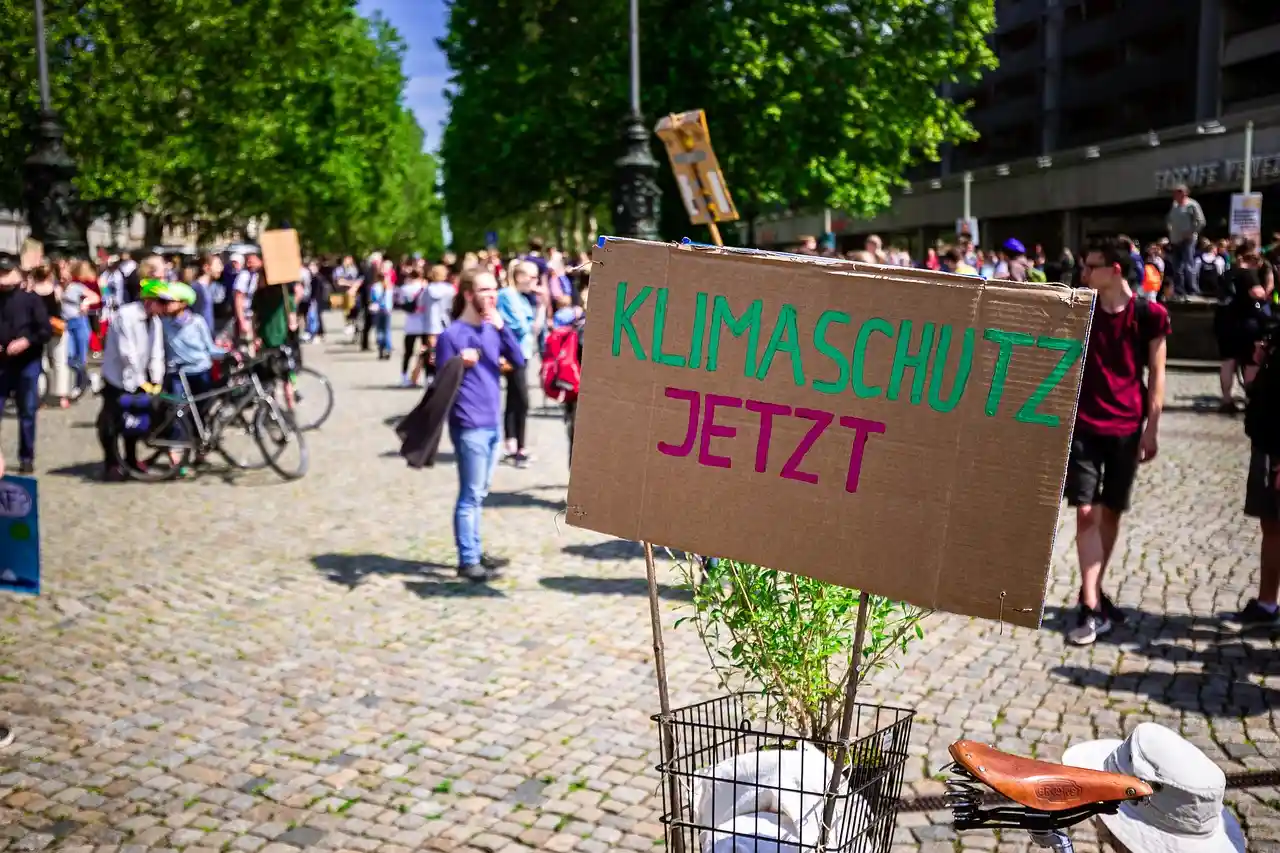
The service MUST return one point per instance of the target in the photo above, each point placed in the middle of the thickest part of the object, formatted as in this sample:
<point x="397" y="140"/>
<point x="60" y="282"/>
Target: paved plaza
<point x="266" y="667"/>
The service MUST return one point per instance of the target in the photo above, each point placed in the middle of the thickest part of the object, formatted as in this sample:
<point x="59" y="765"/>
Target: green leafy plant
<point x="790" y="636"/>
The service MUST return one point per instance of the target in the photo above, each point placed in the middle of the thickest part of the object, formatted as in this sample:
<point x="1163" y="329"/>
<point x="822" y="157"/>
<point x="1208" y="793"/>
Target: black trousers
<point x="109" y="424"/>
<point x="516" y="416"/>
<point x="410" y="348"/>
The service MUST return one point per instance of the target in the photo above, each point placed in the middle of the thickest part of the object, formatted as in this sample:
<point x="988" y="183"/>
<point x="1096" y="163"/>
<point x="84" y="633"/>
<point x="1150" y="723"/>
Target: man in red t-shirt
<point x="1117" y="422"/>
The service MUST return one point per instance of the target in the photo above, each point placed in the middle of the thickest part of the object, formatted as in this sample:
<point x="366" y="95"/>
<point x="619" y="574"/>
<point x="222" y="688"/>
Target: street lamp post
<point x="636" y="194"/>
<point x="52" y="205"/>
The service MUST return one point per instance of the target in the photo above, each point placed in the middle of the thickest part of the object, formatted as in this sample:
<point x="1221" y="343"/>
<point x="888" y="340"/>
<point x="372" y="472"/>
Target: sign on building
<point x="1246" y="216"/>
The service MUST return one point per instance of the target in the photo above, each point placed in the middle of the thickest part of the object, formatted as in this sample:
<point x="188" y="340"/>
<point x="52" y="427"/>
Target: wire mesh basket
<point x="738" y="778"/>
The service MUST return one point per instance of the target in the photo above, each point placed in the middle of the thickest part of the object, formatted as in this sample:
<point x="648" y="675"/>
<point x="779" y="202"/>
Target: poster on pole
<point x="19" y="535"/>
<point x="968" y="229"/>
<point x="902" y="432"/>
<point x="702" y="187"/>
<point x="1246" y="216"/>
<point x="281" y="255"/>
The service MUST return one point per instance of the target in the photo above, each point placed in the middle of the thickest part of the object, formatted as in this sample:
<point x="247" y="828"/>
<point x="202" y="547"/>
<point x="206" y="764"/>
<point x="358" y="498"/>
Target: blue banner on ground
<point x="19" y="535"/>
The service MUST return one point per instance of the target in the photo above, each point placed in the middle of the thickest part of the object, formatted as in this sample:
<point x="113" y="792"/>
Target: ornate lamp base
<point x="52" y="204"/>
<point x="636" y="196"/>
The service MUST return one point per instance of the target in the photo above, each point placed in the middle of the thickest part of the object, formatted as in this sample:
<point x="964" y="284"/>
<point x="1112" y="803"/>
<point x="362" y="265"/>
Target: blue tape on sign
<point x="600" y="241"/>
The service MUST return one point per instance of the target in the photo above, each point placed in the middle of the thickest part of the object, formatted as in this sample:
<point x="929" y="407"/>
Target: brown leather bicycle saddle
<point x="1043" y="785"/>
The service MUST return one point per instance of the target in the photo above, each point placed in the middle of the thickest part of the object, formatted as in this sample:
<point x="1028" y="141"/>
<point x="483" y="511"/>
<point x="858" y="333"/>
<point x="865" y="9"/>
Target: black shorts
<point x="1261" y="500"/>
<point x="1101" y="469"/>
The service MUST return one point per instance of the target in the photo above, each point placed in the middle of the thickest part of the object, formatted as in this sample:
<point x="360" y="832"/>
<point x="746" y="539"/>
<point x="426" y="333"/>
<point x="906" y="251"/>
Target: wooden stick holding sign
<point x="702" y="187"/>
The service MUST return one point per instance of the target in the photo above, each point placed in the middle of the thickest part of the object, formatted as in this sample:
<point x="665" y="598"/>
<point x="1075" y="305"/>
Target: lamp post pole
<point x="52" y="205"/>
<point x="636" y="194"/>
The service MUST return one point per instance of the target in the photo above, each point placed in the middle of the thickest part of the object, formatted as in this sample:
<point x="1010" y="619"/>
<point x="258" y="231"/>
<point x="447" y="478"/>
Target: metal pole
<point x="968" y="195"/>
<point x="42" y="57"/>
<point x="635" y="57"/>
<point x="1248" y="157"/>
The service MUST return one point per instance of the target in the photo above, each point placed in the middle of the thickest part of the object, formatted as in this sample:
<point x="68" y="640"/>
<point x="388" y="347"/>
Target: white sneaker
<point x="1089" y="627"/>
<point x="405" y="381"/>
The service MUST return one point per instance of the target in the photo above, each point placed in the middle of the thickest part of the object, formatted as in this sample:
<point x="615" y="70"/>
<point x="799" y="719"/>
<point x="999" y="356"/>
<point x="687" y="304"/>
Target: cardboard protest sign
<point x="702" y="187"/>
<point x="19" y="535"/>
<point x="893" y="430"/>
<point x="281" y="255"/>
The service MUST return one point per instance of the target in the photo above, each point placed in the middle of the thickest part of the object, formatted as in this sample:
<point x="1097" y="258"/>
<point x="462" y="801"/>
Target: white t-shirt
<point x="246" y="283"/>
<point x="410" y="293"/>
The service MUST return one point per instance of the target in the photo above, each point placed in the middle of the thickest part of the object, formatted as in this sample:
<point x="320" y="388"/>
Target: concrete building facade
<point x="1097" y="109"/>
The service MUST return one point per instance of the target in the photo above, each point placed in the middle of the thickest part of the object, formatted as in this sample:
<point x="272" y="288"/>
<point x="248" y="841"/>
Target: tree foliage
<point x="809" y="104"/>
<point x="213" y="113"/>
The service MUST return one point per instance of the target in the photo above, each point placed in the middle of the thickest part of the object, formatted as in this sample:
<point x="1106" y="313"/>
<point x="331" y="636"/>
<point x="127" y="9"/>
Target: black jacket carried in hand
<point x="421" y="429"/>
<point x="22" y="315"/>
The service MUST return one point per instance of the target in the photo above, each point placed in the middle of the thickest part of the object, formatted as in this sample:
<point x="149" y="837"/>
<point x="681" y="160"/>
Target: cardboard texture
<point x="703" y="190"/>
<point x="822" y="438"/>
<point x="281" y="255"/>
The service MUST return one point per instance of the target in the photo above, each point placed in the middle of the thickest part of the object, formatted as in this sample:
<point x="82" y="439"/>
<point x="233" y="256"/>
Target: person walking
<point x="381" y="304"/>
<point x="1262" y="483"/>
<point x="24" y="332"/>
<point x="78" y="299"/>
<point x="1117" y="423"/>
<point x="1184" y="222"/>
<point x="410" y="298"/>
<point x="481" y="339"/>
<point x="520" y="316"/>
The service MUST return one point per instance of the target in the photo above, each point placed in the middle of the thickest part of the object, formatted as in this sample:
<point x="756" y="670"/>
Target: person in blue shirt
<point x="381" y="304"/>
<point x="479" y="336"/>
<point x="189" y="350"/>
<point x="520" y="316"/>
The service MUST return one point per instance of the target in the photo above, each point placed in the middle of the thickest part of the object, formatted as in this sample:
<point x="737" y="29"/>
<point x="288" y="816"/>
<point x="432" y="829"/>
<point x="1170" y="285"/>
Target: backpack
<point x="1210" y="280"/>
<point x="1262" y="413"/>
<point x="561" y="372"/>
<point x="1151" y="279"/>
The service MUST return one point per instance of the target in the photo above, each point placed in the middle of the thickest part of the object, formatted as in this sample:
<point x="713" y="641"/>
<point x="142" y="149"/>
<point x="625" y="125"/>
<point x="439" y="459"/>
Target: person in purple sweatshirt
<point x="478" y="336"/>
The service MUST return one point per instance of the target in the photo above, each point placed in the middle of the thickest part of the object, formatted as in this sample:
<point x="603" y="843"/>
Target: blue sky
<point x="420" y="23"/>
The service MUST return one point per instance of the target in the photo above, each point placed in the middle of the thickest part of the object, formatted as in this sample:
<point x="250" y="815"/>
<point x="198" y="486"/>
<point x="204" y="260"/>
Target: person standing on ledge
<point x="481" y="339"/>
<point x="1117" y="423"/>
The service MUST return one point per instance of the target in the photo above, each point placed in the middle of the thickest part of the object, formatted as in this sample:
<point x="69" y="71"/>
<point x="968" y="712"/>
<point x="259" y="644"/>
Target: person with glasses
<point x="1117" y="422"/>
<point x="24" y="332"/>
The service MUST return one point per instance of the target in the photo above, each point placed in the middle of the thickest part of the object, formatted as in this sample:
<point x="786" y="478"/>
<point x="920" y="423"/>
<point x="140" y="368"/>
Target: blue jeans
<point x="23" y="382"/>
<point x="382" y="328"/>
<point x="77" y="335"/>
<point x="1183" y="266"/>
<point x="477" y="457"/>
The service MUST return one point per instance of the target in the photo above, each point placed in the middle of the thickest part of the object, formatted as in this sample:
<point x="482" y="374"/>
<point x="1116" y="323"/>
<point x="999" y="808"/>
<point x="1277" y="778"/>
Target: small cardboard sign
<point x="702" y="186"/>
<point x="32" y="253"/>
<point x="281" y="255"/>
<point x="898" y="431"/>
<point x="19" y="535"/>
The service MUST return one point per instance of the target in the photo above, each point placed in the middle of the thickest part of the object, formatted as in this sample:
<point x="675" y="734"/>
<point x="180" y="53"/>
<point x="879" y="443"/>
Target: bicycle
<point x="183" y="434"/>
<point x="308" y="384"/>
<point x="1048" y="799"/>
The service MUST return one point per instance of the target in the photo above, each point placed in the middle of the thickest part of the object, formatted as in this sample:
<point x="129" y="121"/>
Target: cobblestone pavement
<point x="259" y="666"/>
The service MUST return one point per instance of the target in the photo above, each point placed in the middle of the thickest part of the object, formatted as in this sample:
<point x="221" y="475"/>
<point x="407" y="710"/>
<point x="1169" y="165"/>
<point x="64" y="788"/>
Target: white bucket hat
<point x="1185" y="814"/>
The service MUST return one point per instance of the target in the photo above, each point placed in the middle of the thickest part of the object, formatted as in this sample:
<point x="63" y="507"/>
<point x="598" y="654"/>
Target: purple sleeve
<point x="445" y="349"/>
<point x="510" y="347"/>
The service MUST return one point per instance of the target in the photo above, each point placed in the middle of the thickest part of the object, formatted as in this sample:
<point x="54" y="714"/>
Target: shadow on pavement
<point x="90" y="472"/>
<point x="1203" y="404"/>
<point x="1212" y="692"/>
<point x="1144" y="628"/>
<point x="500" y="500"/>
<point x="350" y="570"/>
<point x="576" y="585"/>
<point x="443" y="457"/>
<point x="612" y="549"/>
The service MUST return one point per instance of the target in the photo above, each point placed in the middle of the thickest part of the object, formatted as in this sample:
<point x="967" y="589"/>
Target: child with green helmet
<point x="188" y="345"/>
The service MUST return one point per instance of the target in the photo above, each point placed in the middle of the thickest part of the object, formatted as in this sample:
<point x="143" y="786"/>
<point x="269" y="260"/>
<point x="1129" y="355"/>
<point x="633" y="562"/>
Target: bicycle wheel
<point x="276" y="434"/>
<point x="160" y="455"/>
<point x="312" y="398"/>
<point x="234" y="439"/>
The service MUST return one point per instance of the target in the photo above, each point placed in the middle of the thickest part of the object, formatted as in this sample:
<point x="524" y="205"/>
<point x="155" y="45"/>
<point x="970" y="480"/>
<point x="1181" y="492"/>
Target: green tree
<point x="213" y="113"/>
<point x="818" y="104"/>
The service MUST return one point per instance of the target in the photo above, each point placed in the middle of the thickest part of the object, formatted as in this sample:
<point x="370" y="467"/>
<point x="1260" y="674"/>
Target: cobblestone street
<point x="253" y="665"/>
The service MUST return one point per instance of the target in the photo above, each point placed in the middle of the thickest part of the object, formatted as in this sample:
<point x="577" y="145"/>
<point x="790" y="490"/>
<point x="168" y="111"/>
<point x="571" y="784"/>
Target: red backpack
<point x="561" y="372"/>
